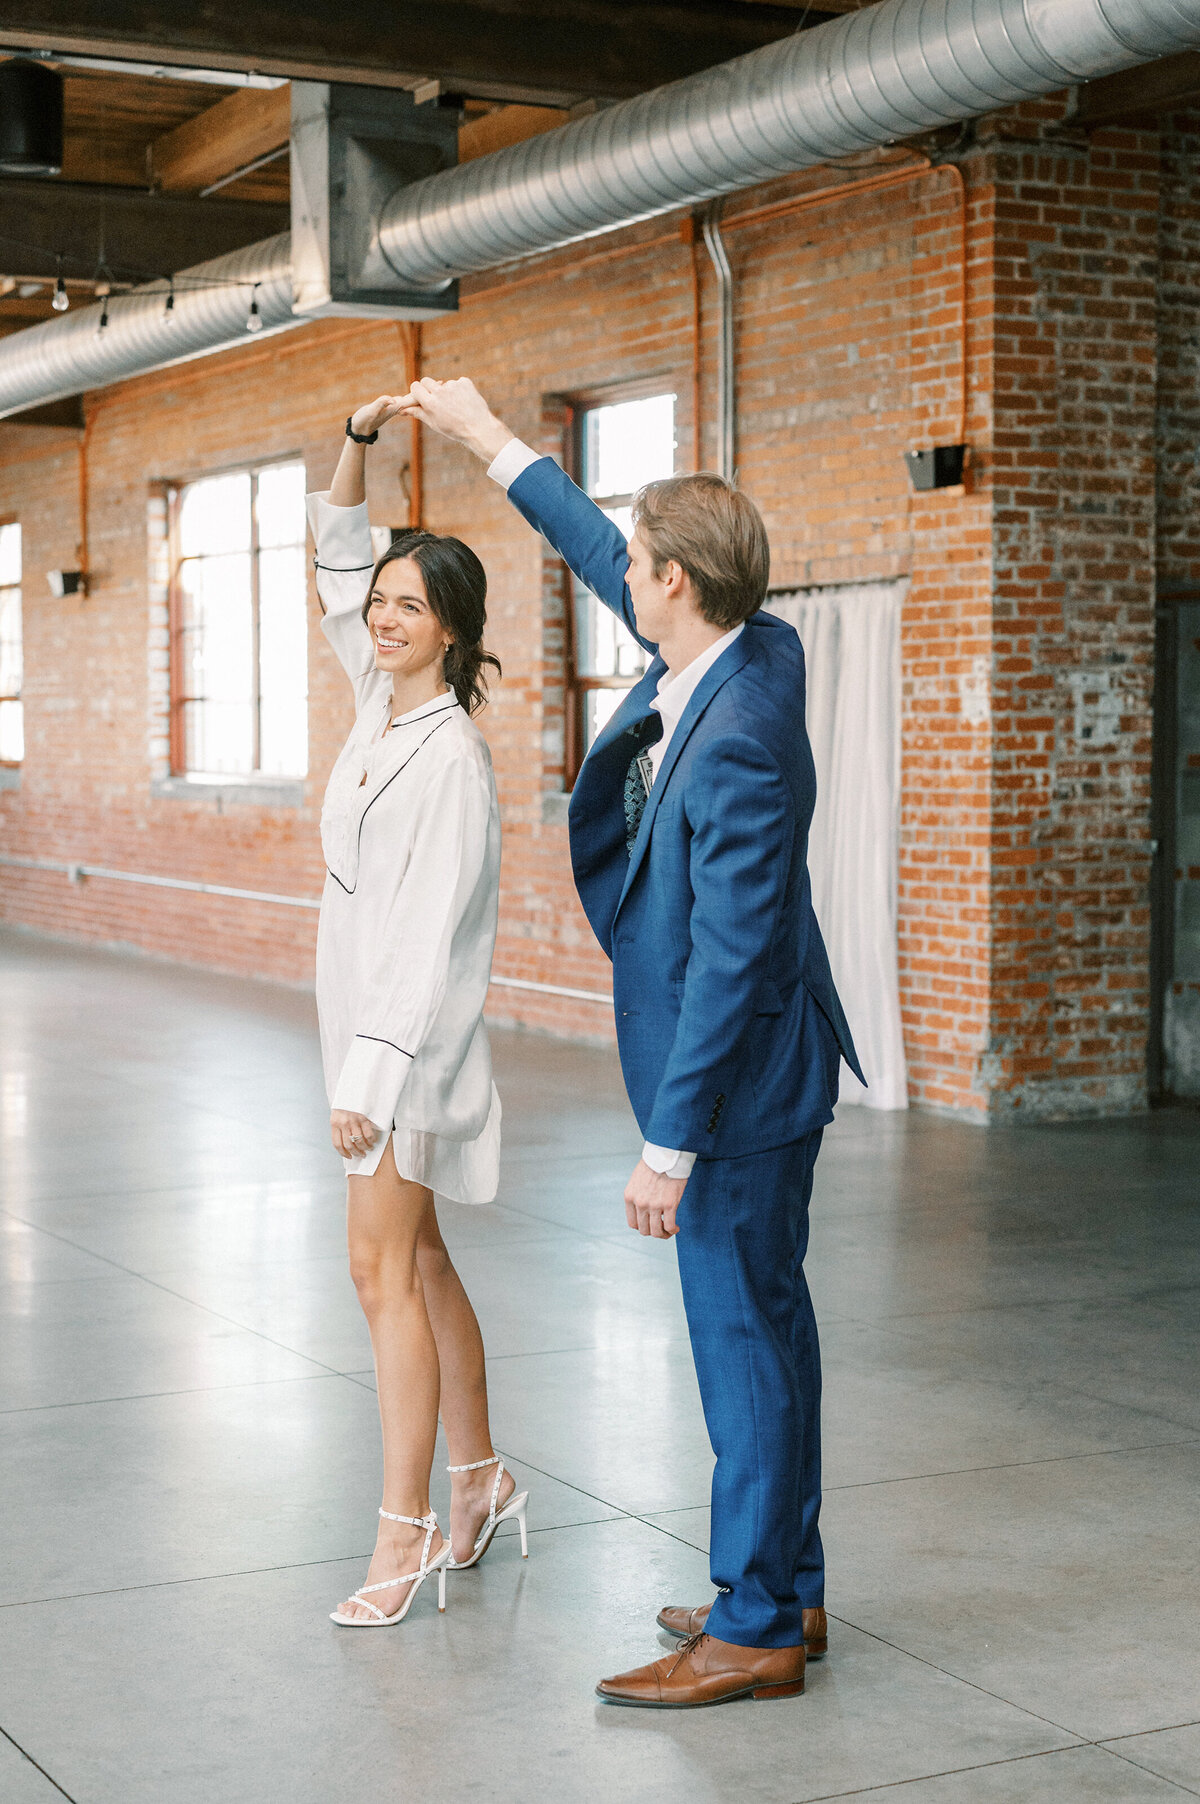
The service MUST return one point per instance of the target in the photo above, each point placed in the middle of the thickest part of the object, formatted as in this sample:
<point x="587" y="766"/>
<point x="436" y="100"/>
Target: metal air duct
<point x="211" y="309"/>
<point x="867" y="79"/>
<point x="871" y="77"/>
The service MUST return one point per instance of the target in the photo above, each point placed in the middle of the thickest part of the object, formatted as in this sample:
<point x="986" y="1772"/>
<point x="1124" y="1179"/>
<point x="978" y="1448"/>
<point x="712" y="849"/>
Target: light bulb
<point x="103" y="316"/>
<point x="62" y="299"/>
<point x="169" y="305"/>
<point x="254" y="317"/>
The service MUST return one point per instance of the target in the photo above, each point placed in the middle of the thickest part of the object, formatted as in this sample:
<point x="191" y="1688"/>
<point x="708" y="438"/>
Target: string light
<point x="103" y="316"/>
<point x="62" y="299"/>
<point x="254" y="317"/>
<point x="169" y="306"/>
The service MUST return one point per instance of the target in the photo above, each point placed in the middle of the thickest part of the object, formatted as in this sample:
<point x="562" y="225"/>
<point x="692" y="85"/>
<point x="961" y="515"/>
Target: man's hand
<point x="457" y="410"/>
<point x="352" y="1134"/>
<point x="651" y="1201"/>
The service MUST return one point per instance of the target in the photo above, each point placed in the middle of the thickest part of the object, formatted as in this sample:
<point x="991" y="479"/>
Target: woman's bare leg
<point x="384" y="1217"/>
<point x="464" y="1386"/>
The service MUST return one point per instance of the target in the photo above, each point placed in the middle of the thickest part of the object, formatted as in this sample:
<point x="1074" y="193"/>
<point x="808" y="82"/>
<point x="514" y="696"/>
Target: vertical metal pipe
<point x="726" y="403"/>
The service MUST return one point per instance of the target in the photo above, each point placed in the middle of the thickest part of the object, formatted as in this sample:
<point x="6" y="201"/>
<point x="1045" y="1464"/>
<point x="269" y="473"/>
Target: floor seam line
<point x="211" y="1578"/>
<point x="1187" y="1790"/>
<point x="201" y="1390"/>
<point x="864" y="1791"/>
<point x="973" y="1684"/>
<point x="1052" y="1459"/>
<point x="179" y="1297"/>
<point x="25" y="1755"/>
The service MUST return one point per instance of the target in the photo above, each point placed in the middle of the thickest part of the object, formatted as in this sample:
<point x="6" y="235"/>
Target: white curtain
<point x="851" y="639"/>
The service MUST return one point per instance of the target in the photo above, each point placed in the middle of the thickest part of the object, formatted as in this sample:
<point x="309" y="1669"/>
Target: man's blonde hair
<point x="715" y="534"/>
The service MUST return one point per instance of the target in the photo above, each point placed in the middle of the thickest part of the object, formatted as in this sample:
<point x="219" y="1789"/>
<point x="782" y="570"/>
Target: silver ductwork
<point x="211" y="308"/>
<point x="864" y="80"/>
<point x="867" y="79"/>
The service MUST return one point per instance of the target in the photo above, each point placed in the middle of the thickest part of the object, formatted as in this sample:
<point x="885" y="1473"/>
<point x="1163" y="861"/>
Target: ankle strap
<point x="476" y="1465"/>
<point x="427" y="1522"/>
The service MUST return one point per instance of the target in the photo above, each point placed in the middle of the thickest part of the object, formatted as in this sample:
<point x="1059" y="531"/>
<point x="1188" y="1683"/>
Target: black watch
<point x="360" y="438"/>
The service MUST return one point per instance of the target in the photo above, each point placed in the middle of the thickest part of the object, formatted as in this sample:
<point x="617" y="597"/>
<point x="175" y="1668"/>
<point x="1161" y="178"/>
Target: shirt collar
<point x="675" y="690"/>
<point x="441" y="704"/>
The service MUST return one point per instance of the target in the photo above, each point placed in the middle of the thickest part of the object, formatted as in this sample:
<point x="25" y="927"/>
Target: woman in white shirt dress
<point x="411" y="835"/>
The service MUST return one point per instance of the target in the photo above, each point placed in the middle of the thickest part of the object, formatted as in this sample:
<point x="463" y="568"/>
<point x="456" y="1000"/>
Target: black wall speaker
<point x="937" y="467"/>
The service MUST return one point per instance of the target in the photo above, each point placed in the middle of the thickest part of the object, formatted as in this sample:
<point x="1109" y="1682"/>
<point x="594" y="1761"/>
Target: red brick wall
<point x="1073" y="577"/>
<point x="1178" y="520"/>
<point x="1022" y="906"/>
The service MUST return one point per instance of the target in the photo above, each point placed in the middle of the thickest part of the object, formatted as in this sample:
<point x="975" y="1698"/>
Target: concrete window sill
<point x="554" y="807"/>
<point x="254" y="792"/>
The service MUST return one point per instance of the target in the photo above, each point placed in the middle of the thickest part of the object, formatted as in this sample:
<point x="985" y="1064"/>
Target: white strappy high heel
<point x="514" y="1509"/>
<point x="440" y="1561"/>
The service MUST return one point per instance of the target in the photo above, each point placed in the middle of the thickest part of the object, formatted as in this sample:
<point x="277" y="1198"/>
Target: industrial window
<point x="12" y="719"/>
<point x="239" y="624"/>
<point x="618" y="446"/>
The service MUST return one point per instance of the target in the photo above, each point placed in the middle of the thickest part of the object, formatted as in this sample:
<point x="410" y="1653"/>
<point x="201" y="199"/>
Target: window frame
<point x="16" y="764"/>
<point x="577" y="687"/>
<point x="177" y="701"/>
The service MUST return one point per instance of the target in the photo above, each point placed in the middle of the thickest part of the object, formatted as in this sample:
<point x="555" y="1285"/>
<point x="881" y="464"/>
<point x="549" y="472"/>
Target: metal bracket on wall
<point x="353" y="149"/>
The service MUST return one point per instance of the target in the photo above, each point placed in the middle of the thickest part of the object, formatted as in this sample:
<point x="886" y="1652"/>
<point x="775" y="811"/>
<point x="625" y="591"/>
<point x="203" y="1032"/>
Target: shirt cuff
<point x="510" y="462"/>
<point x="669" y="1162"/>
<point x="371" y="1079"/>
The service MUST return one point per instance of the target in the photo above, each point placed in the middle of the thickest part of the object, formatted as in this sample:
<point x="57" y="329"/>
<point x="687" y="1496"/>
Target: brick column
<point x="1073" y="566"/>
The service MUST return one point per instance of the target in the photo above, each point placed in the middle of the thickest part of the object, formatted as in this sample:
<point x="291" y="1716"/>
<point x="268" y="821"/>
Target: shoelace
<point x="684" y="1649"/>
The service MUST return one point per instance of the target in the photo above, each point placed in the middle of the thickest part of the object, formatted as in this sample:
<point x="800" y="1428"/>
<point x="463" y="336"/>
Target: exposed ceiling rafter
<point x="551" y="52"/>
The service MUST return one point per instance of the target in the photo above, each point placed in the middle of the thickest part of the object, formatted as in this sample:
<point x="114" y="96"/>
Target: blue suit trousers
<point x="743" y="1234"/>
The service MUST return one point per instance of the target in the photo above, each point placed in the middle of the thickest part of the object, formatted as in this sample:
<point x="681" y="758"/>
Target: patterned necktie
<point x="638" y="779"/>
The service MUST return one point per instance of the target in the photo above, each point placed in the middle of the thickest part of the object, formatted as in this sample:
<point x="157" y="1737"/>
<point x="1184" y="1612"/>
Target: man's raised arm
<point x="583" y="536"/>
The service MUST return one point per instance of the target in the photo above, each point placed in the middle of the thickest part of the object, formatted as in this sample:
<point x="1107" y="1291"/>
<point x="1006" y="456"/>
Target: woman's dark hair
<point x="456" y="589"/>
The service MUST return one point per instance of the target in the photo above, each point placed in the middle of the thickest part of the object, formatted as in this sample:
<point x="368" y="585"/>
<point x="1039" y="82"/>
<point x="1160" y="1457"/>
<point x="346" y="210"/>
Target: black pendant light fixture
<point x="31" y="118"/>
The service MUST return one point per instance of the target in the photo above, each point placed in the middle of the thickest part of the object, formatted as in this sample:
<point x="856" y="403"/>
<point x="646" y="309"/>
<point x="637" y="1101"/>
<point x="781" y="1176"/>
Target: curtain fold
<point x="851" y="639"/>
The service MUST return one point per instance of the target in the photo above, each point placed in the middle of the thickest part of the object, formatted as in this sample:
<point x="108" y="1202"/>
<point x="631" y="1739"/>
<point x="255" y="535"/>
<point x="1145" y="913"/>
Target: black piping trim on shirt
<point x="391" y="1043"/>
<point x="341" y="569"/>
<point x="358" y="844"/>
<point x="437" y="711"/>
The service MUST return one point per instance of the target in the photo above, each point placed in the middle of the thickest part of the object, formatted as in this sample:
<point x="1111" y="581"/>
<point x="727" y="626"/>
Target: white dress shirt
<point x="411" y="833"/>
<point x="675" y="691"/>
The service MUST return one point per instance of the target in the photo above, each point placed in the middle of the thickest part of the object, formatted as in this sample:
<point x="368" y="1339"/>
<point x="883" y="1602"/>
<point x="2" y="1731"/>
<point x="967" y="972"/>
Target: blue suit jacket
<point x="728" y="1023"/>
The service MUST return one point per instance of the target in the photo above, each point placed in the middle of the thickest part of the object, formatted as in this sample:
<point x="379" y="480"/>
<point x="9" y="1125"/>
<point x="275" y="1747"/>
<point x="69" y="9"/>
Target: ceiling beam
<point x="246" y="124"/>
<point x="1148" y="89"/>
<point x="552" y="51"/>
<point x="143" y="235"/>
<point x="507" y="125"/>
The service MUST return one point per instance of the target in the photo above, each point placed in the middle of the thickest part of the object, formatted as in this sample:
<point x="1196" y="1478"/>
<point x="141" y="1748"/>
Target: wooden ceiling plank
<point x="248" y="123"/>
<point x="507" y="125"/>
<point x="48" y="226"/>
<point x="537" y="51"/>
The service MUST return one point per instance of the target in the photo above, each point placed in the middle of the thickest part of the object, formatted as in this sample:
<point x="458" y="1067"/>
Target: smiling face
<point x="409" y="638"/>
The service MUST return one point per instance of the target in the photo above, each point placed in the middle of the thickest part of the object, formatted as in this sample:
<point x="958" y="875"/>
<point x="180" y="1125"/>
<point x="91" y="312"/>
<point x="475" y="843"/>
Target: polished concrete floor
<point x="190" y="1467"/>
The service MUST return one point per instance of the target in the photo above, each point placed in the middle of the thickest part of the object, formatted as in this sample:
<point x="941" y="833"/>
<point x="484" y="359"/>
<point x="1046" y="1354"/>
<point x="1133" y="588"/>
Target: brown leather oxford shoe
<point x="677" y="1619"/>
<point x="703" y="1670"/>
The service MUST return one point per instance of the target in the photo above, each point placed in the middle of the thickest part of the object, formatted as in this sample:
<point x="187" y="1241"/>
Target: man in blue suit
<point x="689" y="831"/>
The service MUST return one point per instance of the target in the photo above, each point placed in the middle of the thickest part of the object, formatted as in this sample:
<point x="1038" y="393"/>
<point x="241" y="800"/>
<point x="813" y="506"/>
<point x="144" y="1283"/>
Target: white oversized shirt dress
<point x="410" y="829"/>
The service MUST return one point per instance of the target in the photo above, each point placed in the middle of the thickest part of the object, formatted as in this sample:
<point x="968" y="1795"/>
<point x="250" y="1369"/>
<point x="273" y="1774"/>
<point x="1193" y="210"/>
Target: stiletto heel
<point x="513" y="1511"/>
<point x="438" y="1564"/>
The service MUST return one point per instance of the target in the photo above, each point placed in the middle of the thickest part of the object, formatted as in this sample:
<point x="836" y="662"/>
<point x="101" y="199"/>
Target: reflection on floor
<point x="1012" y="1349"/>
